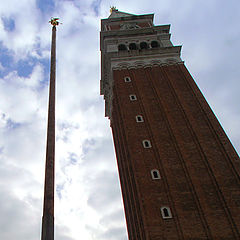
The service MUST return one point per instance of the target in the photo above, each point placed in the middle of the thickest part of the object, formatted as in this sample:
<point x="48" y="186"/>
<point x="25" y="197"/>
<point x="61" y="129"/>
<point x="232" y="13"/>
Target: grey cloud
<point x="14" y="223"/>
<point x="101" y="152"/>
<point x="114" y="233"/>
<point x="114" y="217"/>
<point x="62" y="233"/>
<point x="105" y="191"/>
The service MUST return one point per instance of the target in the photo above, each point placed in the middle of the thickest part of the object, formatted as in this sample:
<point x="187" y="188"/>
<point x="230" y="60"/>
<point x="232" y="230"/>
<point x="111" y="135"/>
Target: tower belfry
<point x="179" y="173"/>
<point x="48" y="204"/>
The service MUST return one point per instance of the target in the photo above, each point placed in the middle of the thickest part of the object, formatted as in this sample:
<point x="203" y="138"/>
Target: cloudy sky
<point x="88" y="196"/>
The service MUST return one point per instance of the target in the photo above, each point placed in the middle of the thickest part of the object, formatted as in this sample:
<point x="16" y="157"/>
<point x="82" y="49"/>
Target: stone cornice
<point x="127" y="18"/>
<point x="115" y="61"/>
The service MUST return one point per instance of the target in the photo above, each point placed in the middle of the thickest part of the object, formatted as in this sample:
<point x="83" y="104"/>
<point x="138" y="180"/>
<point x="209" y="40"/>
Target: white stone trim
<point x="133" y="63"/>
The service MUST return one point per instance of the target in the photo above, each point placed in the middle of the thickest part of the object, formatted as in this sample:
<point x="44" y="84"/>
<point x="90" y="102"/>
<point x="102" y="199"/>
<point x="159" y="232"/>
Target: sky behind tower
<point x="88" y="197"/>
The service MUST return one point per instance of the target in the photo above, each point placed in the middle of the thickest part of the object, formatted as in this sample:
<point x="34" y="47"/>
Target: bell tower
<point x="179" y="173"/>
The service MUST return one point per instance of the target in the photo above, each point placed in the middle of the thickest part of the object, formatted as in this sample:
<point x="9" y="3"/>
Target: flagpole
<point x="48" y="204"/>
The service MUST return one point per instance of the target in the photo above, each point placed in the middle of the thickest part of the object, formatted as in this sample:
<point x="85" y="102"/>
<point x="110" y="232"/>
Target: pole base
<point x="47" y="228"/>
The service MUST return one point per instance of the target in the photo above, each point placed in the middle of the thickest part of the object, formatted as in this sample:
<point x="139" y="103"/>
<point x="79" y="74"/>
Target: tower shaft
<point x="48" y="205"/>
<point x="179" y="173"/>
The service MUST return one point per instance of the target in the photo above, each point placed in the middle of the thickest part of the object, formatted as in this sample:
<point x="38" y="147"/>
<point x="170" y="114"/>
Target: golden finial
<point x="113" y="8"/>
<point x="54" y="21"/>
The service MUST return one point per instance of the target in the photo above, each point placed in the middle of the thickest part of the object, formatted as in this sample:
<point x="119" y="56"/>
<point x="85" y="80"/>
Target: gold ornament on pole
<point x="54" y="21"/>
<point x="113" y="8"/>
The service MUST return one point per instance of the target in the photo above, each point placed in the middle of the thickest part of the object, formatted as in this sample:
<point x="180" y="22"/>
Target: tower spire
<point x="48" y="205"/>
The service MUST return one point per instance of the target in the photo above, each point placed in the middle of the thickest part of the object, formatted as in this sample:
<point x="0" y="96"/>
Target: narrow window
<point x="166" y="212"/>
<point x="139" y="118"/>
<point x="143" y="45"/>
<point x="154" y="44"/>
<point x="132" y="46"/>
<point x="132" y="97"/>
<point x="146" y="144"/>
<point x="122" y="47"/>
<point x="155" y="174"/>
<point x="127" y="79"/>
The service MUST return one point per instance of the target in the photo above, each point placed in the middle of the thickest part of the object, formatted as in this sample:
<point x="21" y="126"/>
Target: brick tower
<point x="179" y="172"/>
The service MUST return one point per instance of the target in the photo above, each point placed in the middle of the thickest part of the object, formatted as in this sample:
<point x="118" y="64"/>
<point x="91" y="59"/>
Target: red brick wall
<point x="199" y="167"/>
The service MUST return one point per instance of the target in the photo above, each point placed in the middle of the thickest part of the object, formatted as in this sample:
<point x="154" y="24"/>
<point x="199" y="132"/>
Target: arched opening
<point x="139" y="118"/>
<point x="133" y="46"/>
<point x="166" y="212"/>
<point x="143" y="45"/>
<point x="146" y="144"/>
<point x="133" y="97"/>
<point x="155" y="174"/>
<point x="154" y="44"/>
<point x="122" y="47"/>
<point x="127" y="79"/>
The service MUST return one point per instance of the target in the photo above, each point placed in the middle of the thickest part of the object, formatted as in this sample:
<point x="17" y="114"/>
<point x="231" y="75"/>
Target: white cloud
<point x="1" y="67"/>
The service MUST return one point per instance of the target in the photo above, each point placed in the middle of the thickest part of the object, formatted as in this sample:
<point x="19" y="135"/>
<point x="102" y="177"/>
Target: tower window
<point x="154" y="44"/>
<point x="122" y="47"/>
<point x="132" y="46"/>
<point x="127" y="79"/>
<point x="155" y="174"/>
<point x="146" y="144"/>
<point x="139" y="118"/>
<point x="132" y="97"/>
<point x="143" y="45"/>
<point x="166" y="212"/>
